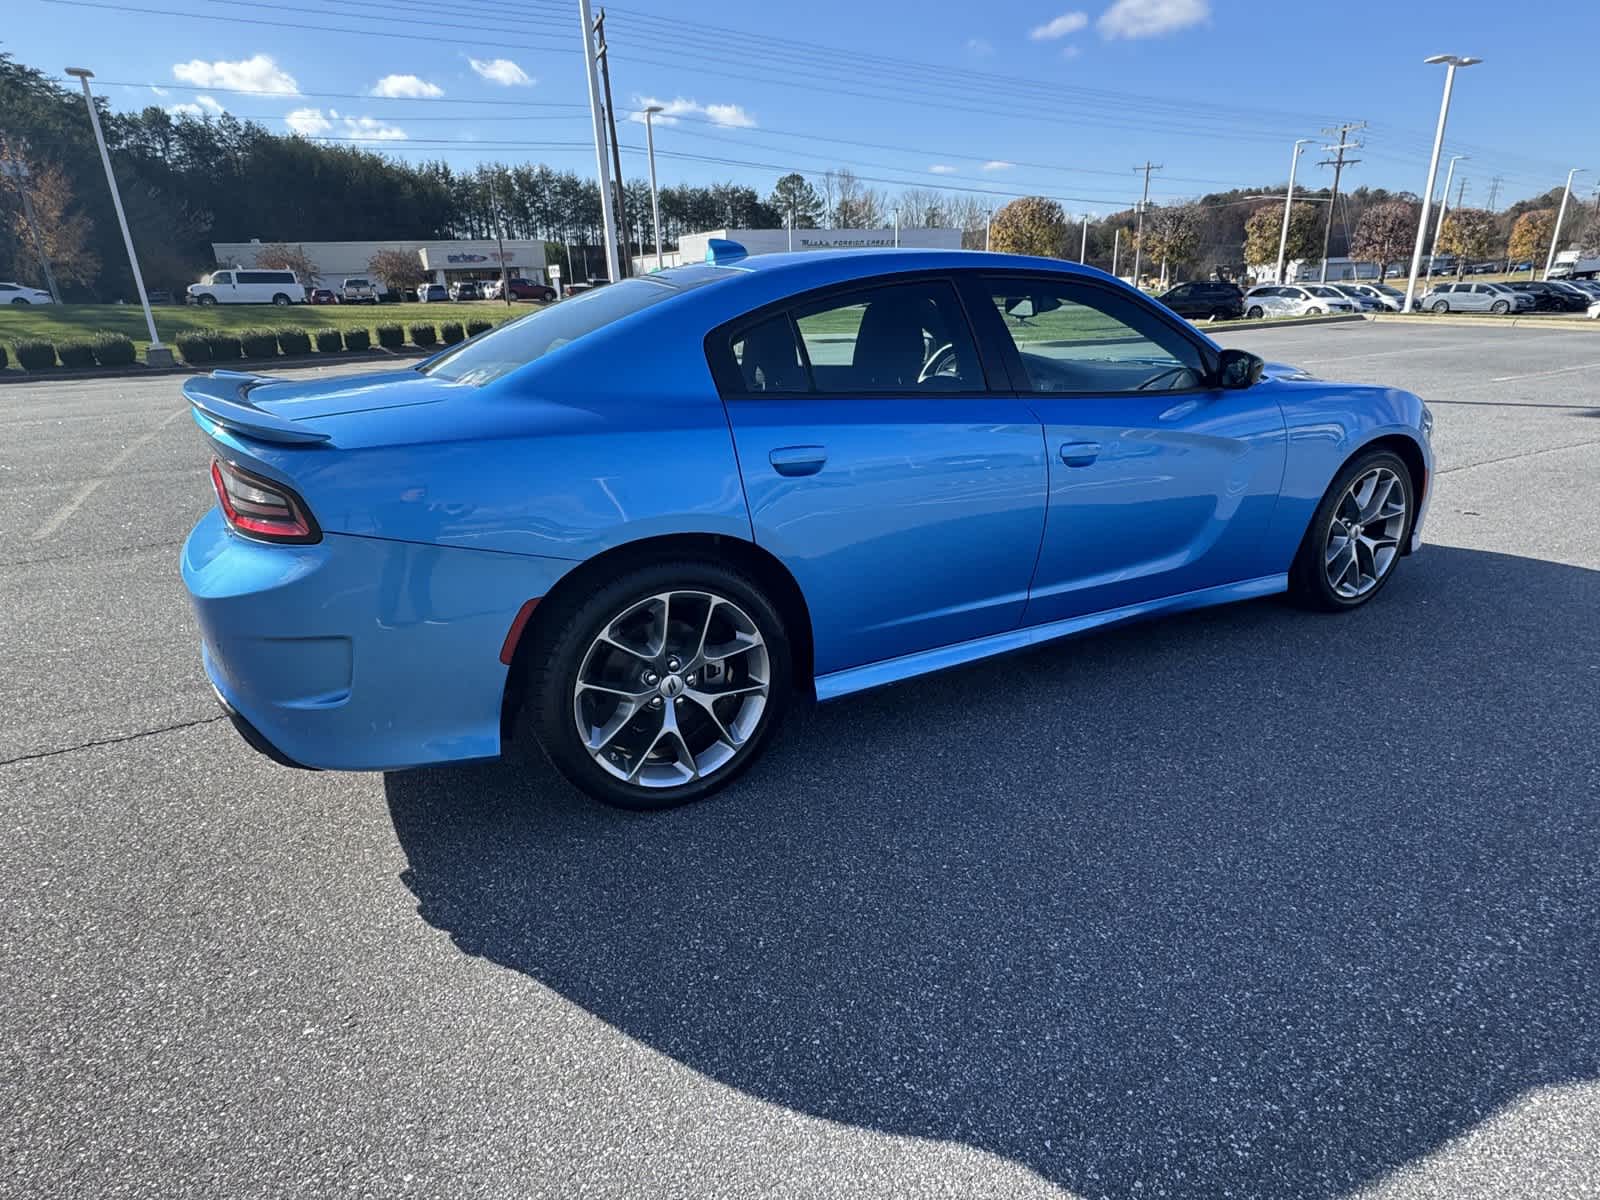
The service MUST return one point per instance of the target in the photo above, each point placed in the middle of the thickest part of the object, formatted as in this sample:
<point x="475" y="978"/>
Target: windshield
<point x="1323" y="291"/>
<point x="1388" y="291"/>
<point x="529" y="338"/>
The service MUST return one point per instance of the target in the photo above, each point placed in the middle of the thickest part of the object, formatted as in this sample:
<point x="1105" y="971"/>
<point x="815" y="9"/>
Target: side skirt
<point x="855" y="679"/>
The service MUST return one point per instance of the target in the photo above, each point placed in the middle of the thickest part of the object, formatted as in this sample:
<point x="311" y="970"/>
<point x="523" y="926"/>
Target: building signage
<point x="466" y="258"/>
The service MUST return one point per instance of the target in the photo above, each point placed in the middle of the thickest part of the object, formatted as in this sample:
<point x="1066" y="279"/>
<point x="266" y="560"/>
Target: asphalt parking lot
<point x="1241" y="903"/>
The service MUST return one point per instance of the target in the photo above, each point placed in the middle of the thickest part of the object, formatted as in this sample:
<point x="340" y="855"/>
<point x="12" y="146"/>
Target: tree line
<point x="188" y="181"/>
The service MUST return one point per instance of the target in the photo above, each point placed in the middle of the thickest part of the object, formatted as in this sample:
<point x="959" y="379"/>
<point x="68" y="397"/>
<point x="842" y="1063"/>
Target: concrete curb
<point x="1280" y="322"/>
<point x="1489" y="320"/>
<point x="377" y="356"/>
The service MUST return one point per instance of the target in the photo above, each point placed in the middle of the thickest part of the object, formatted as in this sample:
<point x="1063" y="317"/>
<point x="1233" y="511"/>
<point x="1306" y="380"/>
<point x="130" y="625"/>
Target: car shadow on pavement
<point x="1247" y="902"/>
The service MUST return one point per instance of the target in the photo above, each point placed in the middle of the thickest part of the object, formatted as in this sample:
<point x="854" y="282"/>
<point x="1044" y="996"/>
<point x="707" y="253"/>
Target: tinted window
<point x="769" y="359"/>
<point x="221" y="277"/>
<point x="522" y="341"/>
<point x="1072" y="338"/>
<point x="906" y="337"/>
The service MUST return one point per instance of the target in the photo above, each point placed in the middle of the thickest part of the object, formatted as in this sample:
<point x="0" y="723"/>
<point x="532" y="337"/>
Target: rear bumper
<point x="358" y="653"/>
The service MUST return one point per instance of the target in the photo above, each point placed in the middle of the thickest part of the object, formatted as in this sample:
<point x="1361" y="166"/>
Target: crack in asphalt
<point x="112" y="741"/>
<point x="80" y="556"/>
<point x="1489" y="462"/>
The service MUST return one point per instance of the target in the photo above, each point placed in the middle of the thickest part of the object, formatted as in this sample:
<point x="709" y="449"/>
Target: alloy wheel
<point x="1364" y="534"/>
<point x="671" y="688"/>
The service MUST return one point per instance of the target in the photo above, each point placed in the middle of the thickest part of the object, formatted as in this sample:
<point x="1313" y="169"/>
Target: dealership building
<point x="692" y="246"/>
<point x="445" y="262"/>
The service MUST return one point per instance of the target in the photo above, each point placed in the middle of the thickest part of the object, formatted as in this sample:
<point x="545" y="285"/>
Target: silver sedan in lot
<point x="1296" y="300"/>
<point x="1474" y="297"/>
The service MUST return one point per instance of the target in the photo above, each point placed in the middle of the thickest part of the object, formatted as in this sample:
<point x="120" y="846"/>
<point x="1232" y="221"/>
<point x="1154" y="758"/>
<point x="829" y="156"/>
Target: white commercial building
<point x="692" y="246"/>
<point x="445" y="261"/>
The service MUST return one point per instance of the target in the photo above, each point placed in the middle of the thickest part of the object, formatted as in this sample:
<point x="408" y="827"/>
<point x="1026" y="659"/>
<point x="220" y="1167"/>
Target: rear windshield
<point x="517" y="343"/>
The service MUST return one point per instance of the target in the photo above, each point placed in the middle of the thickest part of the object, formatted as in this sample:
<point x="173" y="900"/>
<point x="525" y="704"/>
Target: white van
<point x="243" y="286"/>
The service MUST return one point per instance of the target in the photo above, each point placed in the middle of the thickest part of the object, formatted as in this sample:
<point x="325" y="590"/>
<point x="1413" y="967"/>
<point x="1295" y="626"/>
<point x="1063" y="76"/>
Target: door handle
<point x="1079" y="454"/>
<point x="797" y="460"/>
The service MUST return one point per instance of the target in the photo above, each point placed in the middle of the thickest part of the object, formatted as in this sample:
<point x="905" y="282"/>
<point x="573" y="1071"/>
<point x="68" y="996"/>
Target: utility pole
<point x="602" y="168"/>
<point x="1460" y="192"/>
<point x="1444" y="208"/>
<point x="616" y="151"/>
<point x="1138" y="246"/>
<point x="500" y="243"/>
<point x="1494" y="191"/>
<point x="17" y="170"/>
<point x="1338" y="163"/>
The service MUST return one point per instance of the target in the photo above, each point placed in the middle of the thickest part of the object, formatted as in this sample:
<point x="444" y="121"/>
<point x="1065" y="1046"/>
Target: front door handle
<point x="797" y="460"/>
<point x="1079" y="454"/>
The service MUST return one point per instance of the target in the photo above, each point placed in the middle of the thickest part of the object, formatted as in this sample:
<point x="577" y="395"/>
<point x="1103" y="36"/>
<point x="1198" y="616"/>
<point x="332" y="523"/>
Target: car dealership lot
<point x="1245" y="902"/>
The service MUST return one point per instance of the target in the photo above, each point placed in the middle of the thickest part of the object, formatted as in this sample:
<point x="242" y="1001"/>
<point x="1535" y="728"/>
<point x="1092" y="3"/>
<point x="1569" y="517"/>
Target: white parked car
<point x="1474" y="297"/>
<point x="1384" y="298"/>
<point x="1296" y="300"/>
<point x="21" y="293"/>
<point x="1594" y="311"/>
<point x="239" y="285"/>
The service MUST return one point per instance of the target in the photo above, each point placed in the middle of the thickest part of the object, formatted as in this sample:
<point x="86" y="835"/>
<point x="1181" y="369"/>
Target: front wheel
<point x="1255" y="313"/>
<point x="1313" y="311"/>
<point x="1501" y="307"/>
<point x="661" y="686"/>
<point x="1441" y="306"/>
<point x="1356" y="534"/>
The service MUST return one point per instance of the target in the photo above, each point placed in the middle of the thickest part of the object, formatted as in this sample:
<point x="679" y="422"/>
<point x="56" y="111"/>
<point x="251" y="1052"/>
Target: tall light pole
<point x="1555" y="234"/>
<point x="1083" y="246"/>
<point x="655" y="204"/>
<point x="602" y="168"/>
<point x="1451" y="61"/>
<point x="988" y="220"/>
<point x="1288" y="200"/>
<point x="155" y="355"/>
<point x="1444" y="207"/>
<point x="897" y="228"/>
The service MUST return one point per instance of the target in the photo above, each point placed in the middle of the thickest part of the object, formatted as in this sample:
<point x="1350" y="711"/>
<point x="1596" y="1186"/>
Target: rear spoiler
<point x="222" y="399"/>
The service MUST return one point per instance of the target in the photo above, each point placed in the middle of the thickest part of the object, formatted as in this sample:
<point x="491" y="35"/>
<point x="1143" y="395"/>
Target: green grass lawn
<point x="59" y="323"/>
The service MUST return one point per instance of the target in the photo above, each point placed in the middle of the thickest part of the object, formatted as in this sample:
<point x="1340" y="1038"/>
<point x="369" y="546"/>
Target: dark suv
<point x="1219" y="301"/>
<point x="1551" y="297"/>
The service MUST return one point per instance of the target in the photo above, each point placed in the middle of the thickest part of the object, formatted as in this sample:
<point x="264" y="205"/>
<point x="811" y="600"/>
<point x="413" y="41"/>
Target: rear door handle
<point x="1079" y="454"/>
<point x="797" y="460"/>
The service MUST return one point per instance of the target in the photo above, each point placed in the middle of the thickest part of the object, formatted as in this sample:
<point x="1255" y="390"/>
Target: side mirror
<point x="1239" y="369"/>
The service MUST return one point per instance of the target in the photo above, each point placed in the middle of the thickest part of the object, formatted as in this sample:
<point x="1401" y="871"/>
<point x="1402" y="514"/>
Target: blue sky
<point x="1012" y="97"/>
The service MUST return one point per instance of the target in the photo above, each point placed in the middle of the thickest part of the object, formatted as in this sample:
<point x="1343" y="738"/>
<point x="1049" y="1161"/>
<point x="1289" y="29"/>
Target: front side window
<point x="904" y="337"/>
<point x="221" y="277"/>
<point x="1073" y="338"/>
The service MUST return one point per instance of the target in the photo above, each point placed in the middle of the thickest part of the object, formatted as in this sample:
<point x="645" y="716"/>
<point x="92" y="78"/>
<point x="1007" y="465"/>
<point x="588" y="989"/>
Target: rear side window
<point x="530" y="338"/>
<point x="768" y="358"/>
<point x="907" y="337"/>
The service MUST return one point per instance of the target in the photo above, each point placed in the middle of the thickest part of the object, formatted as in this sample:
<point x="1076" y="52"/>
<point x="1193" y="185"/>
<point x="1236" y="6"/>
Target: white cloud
<point x="210" y="104"/>
<point x="201" y="106"/>
<point x="1064" y="24"/>
<point x="407" y="87"/>
<point x="185" y="110"/>
<point x="1071" y="51"/>
<point x="998" y="164"/>
<point x="941" y="169"/>
<point x="159" y="90"/>
<point x="1151" y="18"/>
<point x="372" y="130"/>
<point x="980" y="47"/>
<point x="502" y="71"/>
<point x="729" y="116"/>
<point x="258" y="74"/>
<point x="308" y="121"/>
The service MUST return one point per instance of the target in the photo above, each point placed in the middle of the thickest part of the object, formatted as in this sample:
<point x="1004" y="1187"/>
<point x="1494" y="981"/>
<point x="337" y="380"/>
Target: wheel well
<point x="1409" y="453"/>
<point x="764" y="568"/>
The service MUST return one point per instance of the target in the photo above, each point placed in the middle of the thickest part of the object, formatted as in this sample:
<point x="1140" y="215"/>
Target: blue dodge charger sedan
<point x="629" y="528"/>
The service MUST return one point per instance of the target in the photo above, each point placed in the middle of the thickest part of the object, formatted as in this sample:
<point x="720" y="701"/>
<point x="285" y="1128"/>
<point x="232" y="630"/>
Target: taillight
<point x="260" y="508"/>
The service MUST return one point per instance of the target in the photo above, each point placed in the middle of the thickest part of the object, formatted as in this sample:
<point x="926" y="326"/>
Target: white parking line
<point x="1541" y="374"/>
<point x="88" y="489"/>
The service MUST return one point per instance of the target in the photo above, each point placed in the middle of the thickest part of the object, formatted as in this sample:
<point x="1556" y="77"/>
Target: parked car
<point x="1551" y="297"/>
<point x="321" y="296"/>
<point x="1383" y="297"/>
<point x="1362" y="301"/>
<point x="1206" y="298"/>
<point x="466" y="289"/>
<point x="239" y="286"/>
<point x="1295" y="300"/>
<point x="432" y="293"/>
<point x="1594" y="311"/>
<point x="21" y="293"/>
<point x="358" y="289"/>
<point x="1589" y="287"/>
<point x="521" y="289"/>
<point x="388" y="581"/>
<point x="1474" y="297"/>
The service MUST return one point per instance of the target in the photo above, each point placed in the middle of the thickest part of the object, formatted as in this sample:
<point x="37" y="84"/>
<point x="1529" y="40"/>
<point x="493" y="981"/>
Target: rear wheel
<point x="1356" y="535"/>
<point x="661" y="686"/>
<point x="19" y="300"/>
<point x="280" y="300"/>
<point x="1255" y="313"/>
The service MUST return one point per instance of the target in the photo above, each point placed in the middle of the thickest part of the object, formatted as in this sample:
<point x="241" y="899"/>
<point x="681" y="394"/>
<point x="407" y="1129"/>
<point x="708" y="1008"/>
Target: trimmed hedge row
<point x="200" y="346"/>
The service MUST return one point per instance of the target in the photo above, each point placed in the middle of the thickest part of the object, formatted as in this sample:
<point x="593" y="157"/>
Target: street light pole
<point x="988" y="220"/>
<point x="603" y="170"/>
<point x="1444" y="207"/>
<point x="1452" y="61"/>
<point x="1555" y="234"/>
<point x="655" y="203"/>
<point x="897" y="229"/>
<point x="155" y="355"/>
<point x="1083" y="246"/>
<point x="1288" y="201"/>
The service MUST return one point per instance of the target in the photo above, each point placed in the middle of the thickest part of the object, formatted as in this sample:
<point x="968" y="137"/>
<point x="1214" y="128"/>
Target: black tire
<point x="207" y="300"/>
<point x="20" y="300"/>
<point x="1219" y="314"/>
<point x="1440" y="306"/>
<point x="1501" y="307"/>
<point x="1255" y="313"/>
<point x="1313" y="311"/>
<point x="1308" y="581"/>
<point x="281" y="300"/>
<point x="564" y="638"/>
